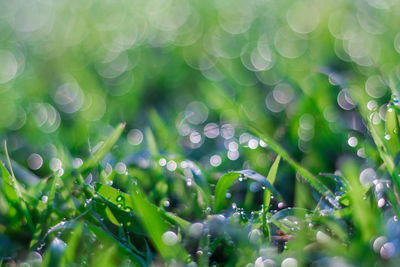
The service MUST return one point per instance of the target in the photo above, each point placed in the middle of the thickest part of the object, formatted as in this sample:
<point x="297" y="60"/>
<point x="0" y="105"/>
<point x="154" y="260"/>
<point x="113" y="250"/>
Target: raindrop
<point x="77" y="162"/>
<point x="169" y="238"/>
<point x="233" y="155"/>
<point x="388" y="250"/>
<point x="227" y="131"/>
<point x="381" y="202"/>
<point x="211" y="130"/>
<point x="44" y="199"/>
<point x="35" y="161"/>
<point x="197" y="112"/>
<point x="171" y="165"/>
<point x="378" y="243"/>
<point x="120" y="168"/>
<point x="289" y="262"/>
<point x="367" y="176"/>
<point x="215" y="160"/>
<point x="353" y="141"/>
<point x="135" y="137"/>
<point x="253" y="143"/>
<point x="255" y="236"/>
<point x="162" y="162"/>
<point x="195" y="230"/>
<point x="322" y="237"/>
<point x="195" y="137"/>
<point x="55" y="164"/>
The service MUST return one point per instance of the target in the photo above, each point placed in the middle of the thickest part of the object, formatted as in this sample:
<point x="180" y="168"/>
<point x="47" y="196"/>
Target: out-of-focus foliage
<point x="209" y="95"/>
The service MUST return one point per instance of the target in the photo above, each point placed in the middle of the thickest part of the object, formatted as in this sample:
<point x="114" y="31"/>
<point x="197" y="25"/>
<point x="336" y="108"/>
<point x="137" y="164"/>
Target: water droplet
<point x="289" y="262"/>
<point x="381" y="203"/>
<point x="44" y="199"/>
<point x="169" y="238"/>
<point x="388" y="250"/>
<point x="322" y="237"/>
<point x="255" y="236"/>
<point x="378" y="243"/>
<point x="195" y="230"/>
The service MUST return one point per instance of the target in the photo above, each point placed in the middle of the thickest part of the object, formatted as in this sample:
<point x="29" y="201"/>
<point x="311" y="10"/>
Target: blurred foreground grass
<point x="255" y="133"/>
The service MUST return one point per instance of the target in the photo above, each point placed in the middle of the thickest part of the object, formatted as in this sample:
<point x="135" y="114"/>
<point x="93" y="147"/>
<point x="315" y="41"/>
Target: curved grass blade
<point x="313" y="180"/>
<point x="104" y="149"/>
<point x="227" y="180"/>
<point x="267" y="194"/>
<point x="124" y="202"/>
<point x="155" y="227"/>
<point x="13" y="190"/>
<point x="107" y="238"/>
<point x="391" y="132"/>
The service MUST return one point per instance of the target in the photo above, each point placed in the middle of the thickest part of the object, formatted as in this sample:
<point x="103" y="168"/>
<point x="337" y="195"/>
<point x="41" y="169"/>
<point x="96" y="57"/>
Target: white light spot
<point x="120" y="168"/>
<point x="378" y="243"/>
<point x="381" y="202"/>
<point x="77" y="162"/>
<point x="352" y="141"/>
<point x="233" y="146"/>
<point x="197" y="112"/>
<point x="171" y="165"/>
<point x="45" y="198"/>
<point x="388" y="250"/>
<point x="169" y="238"/>
<point x="289" y="262"/>
<point x="195" y="137"/>
<point x="8" y="66"/>
<point x="322" y="237"/>
<point x="211" y="130"/>
<point x="195" y="230"/>
<point x="367" y="176"/>
<point x="135" y="137"/>
<point x="233" y="155"/>
<point x="227" y="131"/>
<point x="55" y="164"/>
<point x="254" y="236"/>
<point x="162" y="162"/>
<point x="35" y="161"/>
<point x="253" y="143"/>
<point x="215" y="160"/>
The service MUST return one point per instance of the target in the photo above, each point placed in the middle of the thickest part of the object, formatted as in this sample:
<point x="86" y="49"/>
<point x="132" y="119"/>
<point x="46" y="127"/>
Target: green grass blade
<point x="151" y="142"/>
<point x="155" y="227"/>
<point x="267" y="193"/>
<point x="104" y="149"/>
<point x="124" y="202"/>
<point x="14" y="190"/>
<point x="73" y="243"/>
<point x="391" y="137"/>
<point x="313" y="180"/>
<point x="227" y="180"/>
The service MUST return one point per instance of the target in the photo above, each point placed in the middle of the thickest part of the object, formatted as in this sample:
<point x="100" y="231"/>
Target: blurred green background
<point x="70" y="69"/>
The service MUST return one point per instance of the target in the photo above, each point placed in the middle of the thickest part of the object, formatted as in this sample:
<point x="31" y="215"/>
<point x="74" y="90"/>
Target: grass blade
<point x="227" y="180"/>
<point x="313" y="180"/>
<point x="267" y="194"/>
<point x="104" y="149"/>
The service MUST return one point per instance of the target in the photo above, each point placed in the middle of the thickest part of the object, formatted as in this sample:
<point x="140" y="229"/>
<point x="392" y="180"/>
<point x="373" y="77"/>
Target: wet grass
<point x="213" y="133"/>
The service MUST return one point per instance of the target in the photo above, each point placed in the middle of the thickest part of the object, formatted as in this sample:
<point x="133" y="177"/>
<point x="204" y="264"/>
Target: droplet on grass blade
<point x="378" y="243"/>
<point x="169" y="238"/>
<point x="388" y="250"/>
<point x="289" y="262"/>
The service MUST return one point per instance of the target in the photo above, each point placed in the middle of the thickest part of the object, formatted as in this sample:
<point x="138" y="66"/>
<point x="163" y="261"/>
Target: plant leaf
<point x="104" y="149"/>
<point x="227" y="180"/>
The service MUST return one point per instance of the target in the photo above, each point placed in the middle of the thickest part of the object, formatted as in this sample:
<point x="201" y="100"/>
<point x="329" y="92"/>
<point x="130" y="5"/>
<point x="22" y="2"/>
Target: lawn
<point x="199" y="133"/>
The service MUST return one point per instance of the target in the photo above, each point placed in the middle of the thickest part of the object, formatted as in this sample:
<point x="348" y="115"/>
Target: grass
<point x="183" y="133"/>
